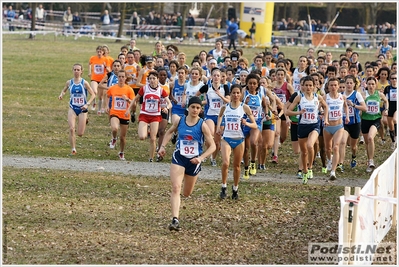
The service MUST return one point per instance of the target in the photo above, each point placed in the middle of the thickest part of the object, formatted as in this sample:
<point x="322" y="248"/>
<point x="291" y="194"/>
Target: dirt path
<point x="154" y="169"/>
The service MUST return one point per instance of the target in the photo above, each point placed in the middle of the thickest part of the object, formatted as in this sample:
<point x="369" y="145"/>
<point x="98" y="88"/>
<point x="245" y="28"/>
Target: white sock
<point x="224" y="185"/>
<point x="235" y="188"/>
<point x="333" y="173"/>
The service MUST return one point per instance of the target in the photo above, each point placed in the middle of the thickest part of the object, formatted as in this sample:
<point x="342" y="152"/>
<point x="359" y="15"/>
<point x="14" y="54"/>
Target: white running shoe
<point x="112" y="143"/>
<point x="329" y="165"/>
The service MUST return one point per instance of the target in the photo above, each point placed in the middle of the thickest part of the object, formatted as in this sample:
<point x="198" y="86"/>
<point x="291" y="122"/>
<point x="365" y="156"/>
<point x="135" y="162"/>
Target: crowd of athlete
<point x="223" y="103"/>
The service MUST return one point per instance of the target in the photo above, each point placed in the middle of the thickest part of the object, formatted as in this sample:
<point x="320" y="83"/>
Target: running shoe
<point x="299" y="175"/>
<point x="235" y="194"/>
<point x="304" y="178"/>
<point x="159" y="158"/>
<point x="329" y="165"/>
<point x="333" y="176"/>
<point x="371" y="166"/>
<point x="340" y="167"/>
<point x="310" y="174"/>
<point x="223" y="193"/>
<point x="361" y="140"/>
<point x="112" y="143"/>
<point x="93" y="106"/>
<point x="382" y="141"/>
<point x="174" y="226"/>
<point x="121" y="156"/>
<point x="323" y="170"/>
<point x="318" y="155"/>
<point x="393" y="145"/>
<point x="87" y="121"/>
<point x="275" y="159"/>
<point x="133" y="117"/>
<point x="262" y="167"/>
<point x="73" y="153"/>
<point x="353" y="163"/>
<point x="213" y="163"/>
<point x="204" y="160"/>
<point x="174" y="138"/>
<point x="99" y="112"/>
<point x="252" y="168"/>
<point x="150" y="160"/>
<point x="246" y="174"/>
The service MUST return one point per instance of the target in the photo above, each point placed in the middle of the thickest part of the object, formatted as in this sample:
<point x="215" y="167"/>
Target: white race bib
<point x="189" y="149"/>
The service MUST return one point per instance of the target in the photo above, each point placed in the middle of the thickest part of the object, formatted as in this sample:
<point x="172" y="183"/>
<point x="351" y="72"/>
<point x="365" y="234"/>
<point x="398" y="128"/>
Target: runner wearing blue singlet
<point x="109" y="80"/>
<point x="233" y="116"/>
<point x="176" y="96"/>
<point x="78" y="104"/>
<point x="257" y="102"/>
<point x="188" y="155"/>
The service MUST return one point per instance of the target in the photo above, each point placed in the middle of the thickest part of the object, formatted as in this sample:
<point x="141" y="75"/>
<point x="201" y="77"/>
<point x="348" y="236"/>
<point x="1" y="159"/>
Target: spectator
<point x="232" y="33"/>
<point x="134" y="21"/>
<point x="68" y="18"/>
<point x="29" y="13"/>
<point x="319" y="26"/>
<point x="190" y="25"/>
<point x="290" y="24"/>
<point x="283" y="25"/>
<point x="10" y="18"/>
<point x="106" y="20"/>
<point x="76" y="20"/>
<point x="40" y="15"/>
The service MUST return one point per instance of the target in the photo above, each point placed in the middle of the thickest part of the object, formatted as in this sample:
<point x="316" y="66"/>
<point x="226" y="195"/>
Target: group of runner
<point x="220" y="103"/>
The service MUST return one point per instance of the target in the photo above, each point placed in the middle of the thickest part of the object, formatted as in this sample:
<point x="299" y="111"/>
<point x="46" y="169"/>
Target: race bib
<point x="392" y="95"/>
<point x="282" y="97"/>
<point x="351" y="111"/>
<point x="189" y="149"/>
<point x="373" y="107"/>
<point x="216" y="103"/>
<point x="120" y="103"/>
<point x="78" y="100"/>
<point x="151" y="105"/>
<point x="98" y="69"/>
<point x="335" y="115"/>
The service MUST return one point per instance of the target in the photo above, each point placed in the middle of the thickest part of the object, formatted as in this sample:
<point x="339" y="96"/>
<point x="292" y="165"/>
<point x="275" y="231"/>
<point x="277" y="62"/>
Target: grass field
<point x="35" y="121"/>
<point x="59" y="217"/>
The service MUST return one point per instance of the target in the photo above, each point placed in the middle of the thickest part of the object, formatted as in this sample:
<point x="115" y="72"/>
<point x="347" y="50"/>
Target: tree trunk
<point x="33" y="22"/>
<point x="184" y="17"/>
<point x="121" y="22"/>
<point x="276" y="14"/>
<point x="331" y="11"/>
<point x="50" y="11"/>
<point x="161" y="11"/>
<point x="294" y="12"/>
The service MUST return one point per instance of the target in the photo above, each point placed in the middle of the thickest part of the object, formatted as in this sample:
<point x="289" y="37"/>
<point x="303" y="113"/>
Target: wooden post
<point x="346" y="226"/>
<point x="354" y="222"/>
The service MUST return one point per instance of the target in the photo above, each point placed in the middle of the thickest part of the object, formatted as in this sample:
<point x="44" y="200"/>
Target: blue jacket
<point x="232" y="29"/>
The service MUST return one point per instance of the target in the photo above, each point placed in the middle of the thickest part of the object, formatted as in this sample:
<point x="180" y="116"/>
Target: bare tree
<point x="184" y="17"/>
<point x="121" y="22"/>
<point x="331" y="11"/>
<point x="33" y="21"/>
